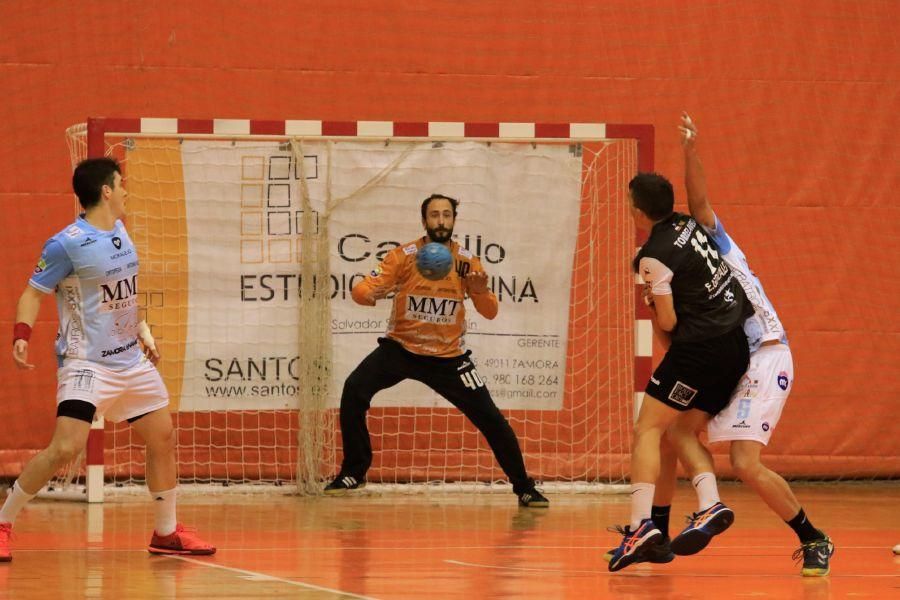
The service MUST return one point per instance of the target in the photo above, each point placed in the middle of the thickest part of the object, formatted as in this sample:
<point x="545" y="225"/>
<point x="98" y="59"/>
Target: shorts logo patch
<point x="682" y="394"/>
<point x="84" y="381"/>
<point x="783" y="380"/>
<point x="765" y="426"/>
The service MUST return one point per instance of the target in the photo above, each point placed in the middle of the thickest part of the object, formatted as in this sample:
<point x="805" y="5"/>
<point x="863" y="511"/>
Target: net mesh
<point x="583" y="439"/>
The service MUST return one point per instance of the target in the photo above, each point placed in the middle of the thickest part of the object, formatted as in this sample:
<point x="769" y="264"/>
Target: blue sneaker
<point x="659" y="552"/>
<point x="635" y="544"/>
<point x="815" y="555"/>
<point x="702" y="526"/>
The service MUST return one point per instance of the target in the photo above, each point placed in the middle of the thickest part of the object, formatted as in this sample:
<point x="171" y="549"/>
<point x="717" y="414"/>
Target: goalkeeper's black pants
<point x="453" y="378"/>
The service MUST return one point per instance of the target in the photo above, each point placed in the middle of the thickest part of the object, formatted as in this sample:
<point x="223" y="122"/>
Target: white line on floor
<point x="254" y="576"/>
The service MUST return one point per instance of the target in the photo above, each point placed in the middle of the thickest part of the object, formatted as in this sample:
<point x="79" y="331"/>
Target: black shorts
<point x="702" y="374"/>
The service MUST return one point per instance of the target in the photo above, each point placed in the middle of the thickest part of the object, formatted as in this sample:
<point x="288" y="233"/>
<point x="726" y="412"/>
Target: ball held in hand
<point x="434" y="261"/>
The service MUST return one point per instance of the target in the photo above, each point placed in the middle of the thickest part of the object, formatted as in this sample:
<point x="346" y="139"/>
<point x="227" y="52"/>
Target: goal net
<point x="250" y="237"/>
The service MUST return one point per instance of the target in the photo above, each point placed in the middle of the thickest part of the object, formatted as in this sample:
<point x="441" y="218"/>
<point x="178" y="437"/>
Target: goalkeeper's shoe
<point x="180" y="541"/>
<point x="660" y="552"/>
<point x="815" y="556"/>
<point x="533" y="498"/>
<point x="635" y="544"/>
<point x="5" y="534"/>
<point x="702" y="527"/>
<point x="343" y="484"/>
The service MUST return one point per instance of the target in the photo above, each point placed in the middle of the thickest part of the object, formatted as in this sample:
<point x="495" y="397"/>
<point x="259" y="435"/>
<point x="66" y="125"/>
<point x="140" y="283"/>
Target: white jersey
<point x="764" y="325"/>
<point x="94" y="274"/>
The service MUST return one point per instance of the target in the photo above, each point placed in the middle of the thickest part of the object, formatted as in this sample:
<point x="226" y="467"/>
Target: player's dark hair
<point x="652" y="194"/>
<point x="453" y="202"/>
<point x="89" y="178"/>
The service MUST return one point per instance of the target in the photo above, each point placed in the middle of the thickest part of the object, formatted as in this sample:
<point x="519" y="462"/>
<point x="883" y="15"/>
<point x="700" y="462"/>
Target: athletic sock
<point x="16" y="500"/>
<point x="660" y="516"/>
<point x="804" y="529"/>
<point x="707" y="491"/>
<point x="164" y="505"/>
<point x="641" y="501"/>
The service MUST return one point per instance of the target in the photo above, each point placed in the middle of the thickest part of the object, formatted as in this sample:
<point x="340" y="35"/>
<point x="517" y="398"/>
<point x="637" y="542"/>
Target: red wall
<point x="797" y="103"/>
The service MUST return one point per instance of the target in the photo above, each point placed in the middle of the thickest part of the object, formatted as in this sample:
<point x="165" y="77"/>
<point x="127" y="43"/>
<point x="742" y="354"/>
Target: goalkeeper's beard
<point x="441" y="235"/>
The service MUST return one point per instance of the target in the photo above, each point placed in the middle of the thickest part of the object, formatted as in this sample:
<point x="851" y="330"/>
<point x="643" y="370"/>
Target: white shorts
<point x="757" y="402"/>
<point x="118" y="395"/>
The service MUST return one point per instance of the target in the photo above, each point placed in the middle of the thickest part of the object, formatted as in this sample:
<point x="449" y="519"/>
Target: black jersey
<point x="708" y="300"/>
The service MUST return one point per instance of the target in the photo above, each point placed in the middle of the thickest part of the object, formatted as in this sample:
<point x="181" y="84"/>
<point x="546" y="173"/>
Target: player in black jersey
<point x="698" y="310"/>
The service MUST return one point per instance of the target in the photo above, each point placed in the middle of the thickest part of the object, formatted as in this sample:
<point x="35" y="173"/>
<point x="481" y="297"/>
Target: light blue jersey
<point x="94" y="274"/>
<point x="764" y="324"/>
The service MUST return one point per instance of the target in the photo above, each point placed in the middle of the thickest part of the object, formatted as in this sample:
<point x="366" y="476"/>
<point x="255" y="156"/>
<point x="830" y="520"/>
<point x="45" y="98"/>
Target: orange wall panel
<point x="796" y="102"/>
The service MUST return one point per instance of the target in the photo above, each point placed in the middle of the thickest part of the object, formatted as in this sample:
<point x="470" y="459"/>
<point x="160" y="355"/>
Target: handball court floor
<point x="444" y="545"/>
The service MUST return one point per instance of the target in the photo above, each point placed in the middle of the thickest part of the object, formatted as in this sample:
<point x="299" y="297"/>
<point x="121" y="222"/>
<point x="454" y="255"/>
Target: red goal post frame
<point x="99" y="127"/>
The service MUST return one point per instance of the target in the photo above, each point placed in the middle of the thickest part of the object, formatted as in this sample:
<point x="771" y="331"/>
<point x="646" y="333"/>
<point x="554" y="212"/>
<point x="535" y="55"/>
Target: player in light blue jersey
<point x="756" y="404"/>
<point x="106" y="355"/>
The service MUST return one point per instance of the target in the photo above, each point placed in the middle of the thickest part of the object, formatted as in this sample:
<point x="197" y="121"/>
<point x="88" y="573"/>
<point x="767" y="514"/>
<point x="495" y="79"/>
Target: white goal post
<point x="241" y="225"/>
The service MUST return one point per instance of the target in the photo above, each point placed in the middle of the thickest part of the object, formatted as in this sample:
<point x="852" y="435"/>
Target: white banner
<point x="519" y="206"/>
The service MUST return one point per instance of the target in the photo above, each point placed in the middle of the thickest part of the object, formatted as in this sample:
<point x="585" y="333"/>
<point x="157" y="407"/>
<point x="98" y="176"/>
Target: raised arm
<point x="694" y="178"/>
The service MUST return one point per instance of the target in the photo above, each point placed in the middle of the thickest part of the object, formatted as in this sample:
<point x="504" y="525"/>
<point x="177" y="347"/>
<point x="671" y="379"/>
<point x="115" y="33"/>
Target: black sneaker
<point x="344" y="483"/>
<point x="815" y="556"/>
<point x="533" y="498"/>
<point x="659" y="553"/>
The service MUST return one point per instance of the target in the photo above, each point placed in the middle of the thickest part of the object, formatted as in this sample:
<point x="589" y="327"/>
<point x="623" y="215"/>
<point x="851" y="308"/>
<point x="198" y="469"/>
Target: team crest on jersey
<point x="117" y="242"/>
<point x="783" y="380"/>
<point x="376" y="271"/>
<point x="463" y="252"/>
<point x="411" y="249"/>
<point x="42" y="264"/>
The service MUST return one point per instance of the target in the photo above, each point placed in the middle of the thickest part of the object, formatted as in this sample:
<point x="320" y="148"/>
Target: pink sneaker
<point x="180" y="541"/>
<point x="5" y="534"/>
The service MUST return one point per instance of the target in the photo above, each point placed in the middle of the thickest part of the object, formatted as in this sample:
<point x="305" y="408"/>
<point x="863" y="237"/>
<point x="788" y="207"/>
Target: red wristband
<point x="21" y="331"/>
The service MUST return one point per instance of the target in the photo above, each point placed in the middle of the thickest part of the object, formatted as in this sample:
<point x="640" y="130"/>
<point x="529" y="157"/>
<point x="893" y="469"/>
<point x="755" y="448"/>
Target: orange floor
<point x="444" y="546"/>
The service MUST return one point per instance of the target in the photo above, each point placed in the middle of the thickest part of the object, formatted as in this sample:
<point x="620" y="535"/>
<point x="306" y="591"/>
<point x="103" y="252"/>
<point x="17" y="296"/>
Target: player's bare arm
<point x="148" y="343"/>
<point x="26" y="314"/>
<point x="664" y="311"/>
<point x="664" y="337"/>
<point x="694" y="177"/>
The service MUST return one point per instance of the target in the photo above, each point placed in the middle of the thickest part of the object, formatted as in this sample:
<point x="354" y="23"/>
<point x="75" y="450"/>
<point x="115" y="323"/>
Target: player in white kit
<point x="756" y="404"/>
<point x="106" y="356"/>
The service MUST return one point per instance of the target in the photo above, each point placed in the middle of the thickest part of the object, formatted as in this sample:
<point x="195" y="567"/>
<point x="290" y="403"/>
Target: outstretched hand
<point x="477" y="282"/>
<point x="688" y="131"/>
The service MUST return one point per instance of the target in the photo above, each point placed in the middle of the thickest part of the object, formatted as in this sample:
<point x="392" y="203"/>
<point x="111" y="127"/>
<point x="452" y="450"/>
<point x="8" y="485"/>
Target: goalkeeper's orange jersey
<point x="428" y="317"/>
